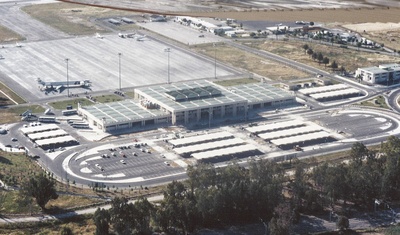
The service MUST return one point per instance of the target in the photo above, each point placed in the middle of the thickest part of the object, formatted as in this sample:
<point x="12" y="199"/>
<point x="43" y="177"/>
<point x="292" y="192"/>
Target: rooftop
<point x="122" y="111"/>
<point x="161" y="95"/>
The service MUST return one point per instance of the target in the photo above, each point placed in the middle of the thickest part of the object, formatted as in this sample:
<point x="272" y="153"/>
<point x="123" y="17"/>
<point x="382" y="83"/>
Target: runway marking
<point x="15" y="102"/>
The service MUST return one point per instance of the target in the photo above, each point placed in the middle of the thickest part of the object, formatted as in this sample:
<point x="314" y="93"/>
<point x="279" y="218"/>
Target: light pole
<point x="168" y="50"/>
<point x="119" y="69"/>
<point x="215" y="61"/>
<point x="66" y="60"/>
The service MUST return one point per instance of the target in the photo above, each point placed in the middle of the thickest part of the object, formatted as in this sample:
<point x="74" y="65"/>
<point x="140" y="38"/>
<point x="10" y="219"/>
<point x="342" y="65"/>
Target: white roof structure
<point x="300" y="138"/>
<point x="330" y="94"/>
<point x="200" y="138"/>
<point x="274" y="126"/>
<point x="57" y="140"/>
<point x="320" y="89"/>
<point x="289" y="132"/>
<point x="41" y="128"/>
<point x="224" y="152"/>
<point x="47" y="134"/>
<point x="206" y="146"/>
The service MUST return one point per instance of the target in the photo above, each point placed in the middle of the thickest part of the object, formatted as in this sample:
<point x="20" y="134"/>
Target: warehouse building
<point x="184" y="103"/>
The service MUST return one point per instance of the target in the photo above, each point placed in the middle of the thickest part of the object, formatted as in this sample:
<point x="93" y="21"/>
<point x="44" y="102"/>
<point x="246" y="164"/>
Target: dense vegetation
<point x="215" y="197"/>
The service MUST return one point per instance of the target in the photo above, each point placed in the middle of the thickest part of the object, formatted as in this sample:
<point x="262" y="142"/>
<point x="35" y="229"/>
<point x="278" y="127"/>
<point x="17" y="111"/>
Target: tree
<point x="325" y="61"/>
<point x="305" y="47"/>
<point x="122" y="215"/>
<point x="41" y="188"/>
<point x="101" y="219"/>
<point x="334" y="65"/>
<point x="178" y="208"/>
<point x="342" y="69"/>
<point x="358" y="152"/>
<point x="320" y="57"/>
<point x="314" y="55"/>
<point x="281" y="223"/>
<point x="144" y="211"/>
<point x="310" y="52"/>
<point x="66" y="231"/>
<point x="342" y="223"/>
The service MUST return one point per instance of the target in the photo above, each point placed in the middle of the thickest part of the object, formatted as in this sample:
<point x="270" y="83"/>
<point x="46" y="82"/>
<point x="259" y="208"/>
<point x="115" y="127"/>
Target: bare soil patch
<point x="250" y="62"/>
<point x="350" y="15"/>
<point x="349" y="59"/>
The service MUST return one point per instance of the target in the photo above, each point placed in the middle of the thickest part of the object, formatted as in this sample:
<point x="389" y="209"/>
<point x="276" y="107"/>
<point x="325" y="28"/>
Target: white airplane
<point x="18" y="45"/>
<point x="140" y="38"/>
<point x="99" y="36"/>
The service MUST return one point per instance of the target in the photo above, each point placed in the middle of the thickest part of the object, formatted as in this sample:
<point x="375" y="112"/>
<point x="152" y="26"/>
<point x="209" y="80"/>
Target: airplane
<point x="18" y="45"/>
<point x="126" y="35"/>
<point x="140" y="38"/>
<point x="60" y="86"/>
<point x="99" y="36"/>
<point x="122" y="35"/>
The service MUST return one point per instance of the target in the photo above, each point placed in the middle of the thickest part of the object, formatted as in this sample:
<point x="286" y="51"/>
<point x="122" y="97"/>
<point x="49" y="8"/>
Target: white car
<point x="122" y="161"/>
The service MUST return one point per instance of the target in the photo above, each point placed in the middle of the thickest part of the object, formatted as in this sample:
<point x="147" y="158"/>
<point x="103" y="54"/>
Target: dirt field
<point x="250" y="62"/>
<point x="350" y="59"/>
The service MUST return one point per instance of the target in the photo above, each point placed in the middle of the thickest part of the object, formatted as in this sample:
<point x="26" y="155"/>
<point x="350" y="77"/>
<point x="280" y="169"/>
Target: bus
<point x="69" y="112"/>
<point x="47" y="119"/>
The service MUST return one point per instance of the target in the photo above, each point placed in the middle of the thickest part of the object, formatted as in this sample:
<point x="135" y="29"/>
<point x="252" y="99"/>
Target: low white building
<point x="383" y="74"/>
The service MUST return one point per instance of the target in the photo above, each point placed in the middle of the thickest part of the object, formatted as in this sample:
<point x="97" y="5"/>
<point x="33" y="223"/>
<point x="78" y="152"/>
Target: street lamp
<point x="119" y="69"/>
<point x="215" y="61"/>
<point x="66" y="60"/>
<point x="168" y="50"/>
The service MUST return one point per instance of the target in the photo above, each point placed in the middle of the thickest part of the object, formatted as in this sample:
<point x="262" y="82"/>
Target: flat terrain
<point x="251" y="62"/>
<point x="142" y="63"/>
<point x="350" y="59"/>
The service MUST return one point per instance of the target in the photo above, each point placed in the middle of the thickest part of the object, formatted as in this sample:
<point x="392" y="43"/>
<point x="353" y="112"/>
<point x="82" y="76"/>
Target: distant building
<point x="126" y="20"/>
<point x="383" y="74"/>
<point x="157" y="18"/>
<point x="114" y="21"/>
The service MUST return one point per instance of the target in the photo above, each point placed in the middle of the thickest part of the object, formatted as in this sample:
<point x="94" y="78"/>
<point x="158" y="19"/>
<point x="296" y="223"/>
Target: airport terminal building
<point x="184" y="103"/>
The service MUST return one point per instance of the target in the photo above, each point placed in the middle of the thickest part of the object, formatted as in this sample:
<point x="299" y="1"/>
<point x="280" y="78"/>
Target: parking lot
<point x="123" y="164"/>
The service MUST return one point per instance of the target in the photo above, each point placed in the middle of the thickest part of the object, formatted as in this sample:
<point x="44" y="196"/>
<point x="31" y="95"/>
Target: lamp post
<point x="215" y="61"/>
<point x="168" y="50"/>
<point x="66" y="60"/>
<point x="119" y="69"/>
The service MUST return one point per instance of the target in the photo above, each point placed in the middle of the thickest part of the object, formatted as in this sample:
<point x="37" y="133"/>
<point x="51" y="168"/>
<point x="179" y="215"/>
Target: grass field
<point x="107" y="98"/>
<point x="253" y="63"/>
<point x="62" y="105"/>
<point x="11" y="115"/>
<point x="7" y="35"/>
<point x="10" y="93"/>
<point x="75" y="19"/>
<point x="378" y="102"/>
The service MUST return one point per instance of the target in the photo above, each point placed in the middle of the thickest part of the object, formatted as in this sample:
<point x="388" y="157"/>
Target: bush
<point x="342" y="223"/>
